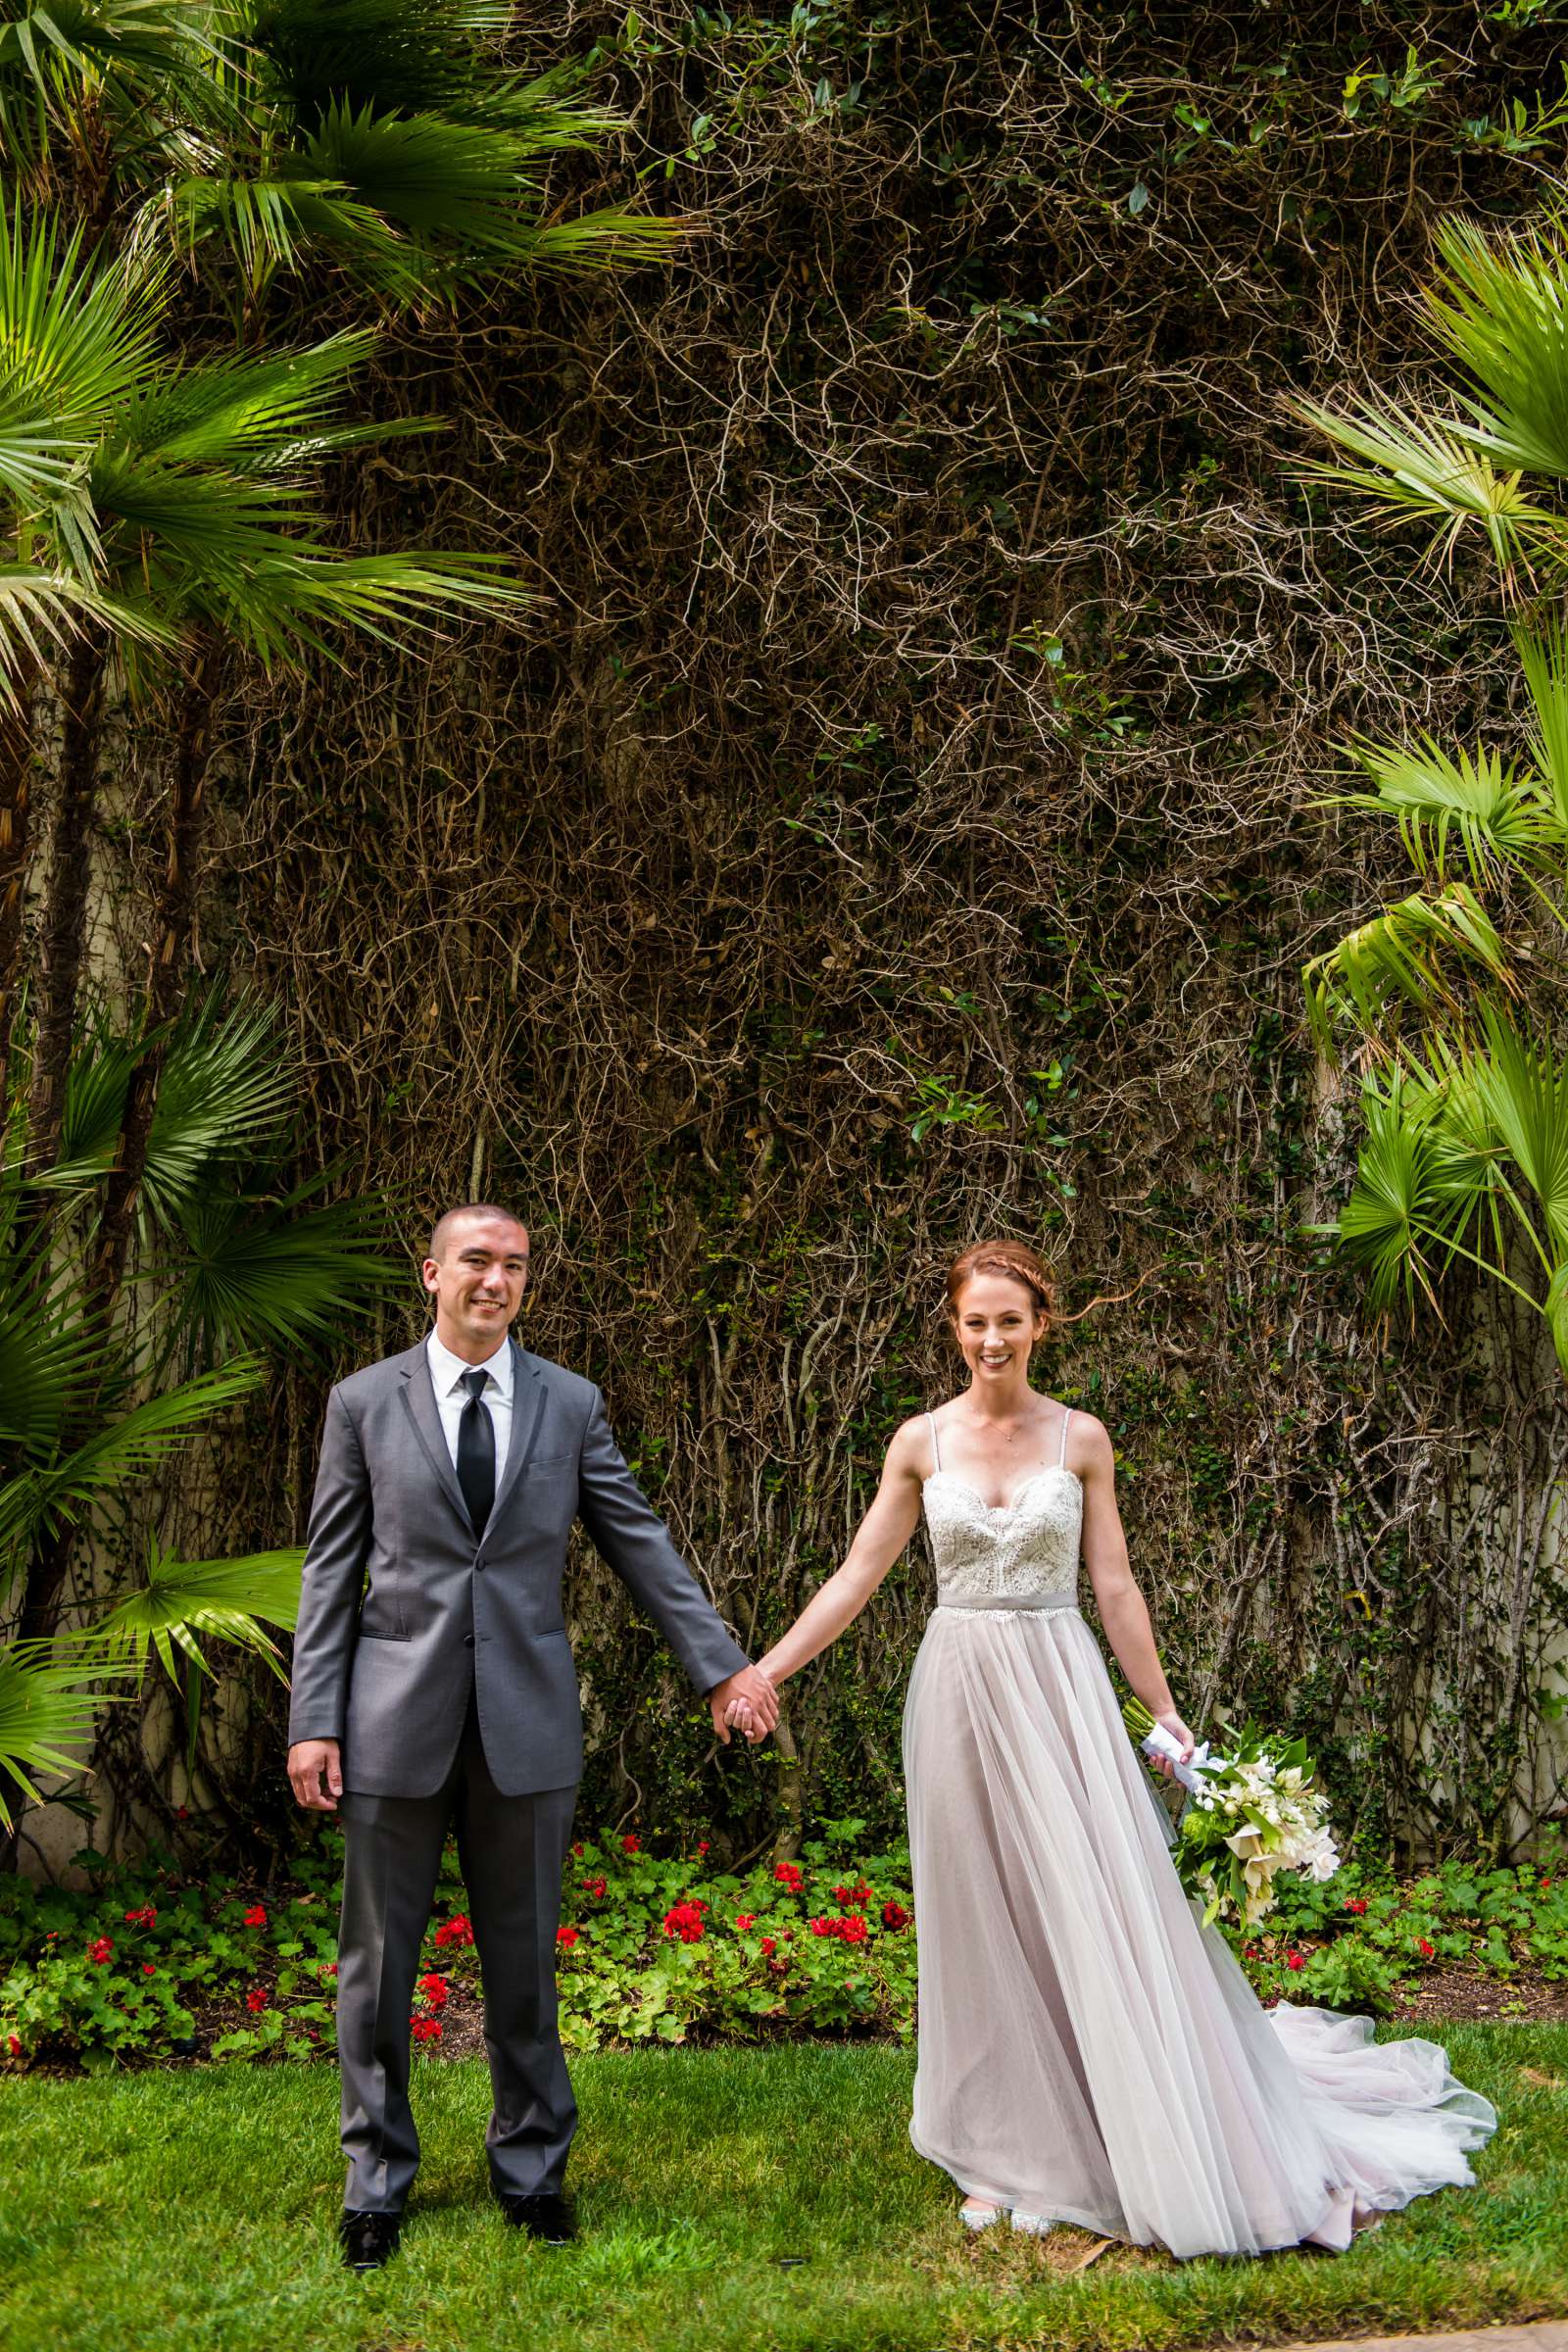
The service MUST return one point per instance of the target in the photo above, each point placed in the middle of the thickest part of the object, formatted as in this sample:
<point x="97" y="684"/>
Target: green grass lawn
<point x="729" y="2199"/>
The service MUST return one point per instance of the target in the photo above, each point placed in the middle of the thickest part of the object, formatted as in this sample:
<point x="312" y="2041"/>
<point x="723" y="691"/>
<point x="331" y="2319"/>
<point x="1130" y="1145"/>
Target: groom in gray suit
<point x="434" y="1685"/>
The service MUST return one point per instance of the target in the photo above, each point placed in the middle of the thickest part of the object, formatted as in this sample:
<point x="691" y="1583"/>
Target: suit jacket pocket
<point x="365" y="1635"/>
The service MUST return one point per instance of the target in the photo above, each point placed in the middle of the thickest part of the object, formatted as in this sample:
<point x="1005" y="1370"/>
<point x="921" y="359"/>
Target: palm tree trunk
<point x="171" y="925"/>
<point x="15" y="811"/>
<point x="65" y="909"/>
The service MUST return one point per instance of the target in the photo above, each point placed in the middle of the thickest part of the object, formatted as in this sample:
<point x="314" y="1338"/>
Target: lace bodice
<point x="988" y="1554"/>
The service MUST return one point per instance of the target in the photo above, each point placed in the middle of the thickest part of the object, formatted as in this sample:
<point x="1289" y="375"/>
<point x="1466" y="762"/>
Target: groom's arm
<point x="337" y="1545"/>
<point x="632" y="1538"/>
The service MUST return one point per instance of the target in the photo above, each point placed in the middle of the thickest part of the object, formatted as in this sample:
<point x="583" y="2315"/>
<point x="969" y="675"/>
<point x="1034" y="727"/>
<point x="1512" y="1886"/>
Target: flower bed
<point x="664" y="1945"/>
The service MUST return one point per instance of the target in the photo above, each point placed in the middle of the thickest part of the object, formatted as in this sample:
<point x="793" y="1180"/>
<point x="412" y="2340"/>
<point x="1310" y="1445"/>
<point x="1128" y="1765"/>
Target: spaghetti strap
<point x="935" y="1450"/>
<point x="1062" y="1458"/>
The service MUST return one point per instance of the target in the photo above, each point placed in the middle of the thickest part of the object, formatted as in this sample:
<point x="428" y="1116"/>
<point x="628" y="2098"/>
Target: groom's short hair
<point x="440" y="1231"/>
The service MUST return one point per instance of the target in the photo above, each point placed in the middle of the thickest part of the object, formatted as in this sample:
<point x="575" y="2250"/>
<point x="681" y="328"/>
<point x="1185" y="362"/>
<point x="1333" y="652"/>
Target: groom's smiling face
<point x="477" y="1282"/>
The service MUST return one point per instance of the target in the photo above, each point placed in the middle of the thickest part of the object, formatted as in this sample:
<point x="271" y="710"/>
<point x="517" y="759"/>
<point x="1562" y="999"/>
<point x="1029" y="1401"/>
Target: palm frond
<point x="1501" y="309"/>
<point x="229" y="411"/>
<point x="43" y="1496"/>
<point x="302" y="599"/>
<point x="75" y="342"/>
<point x="610" y="238"/>
<point x="1544" y="655"/>
<point x="1555" y="1306"/>
<point x="97" y="1077"/>
<point x="277" y="221"/>
<point x="1401" y="954"/>
<point x="223" y="1092"/>
<point x="49" y="1360"/>
<point x="1386" y="1225"/>
<point x="1415" y="464"/>
<point x="279" y="1274"/>
<point x="414" y="57"/>
<point x="137" y="63"/>
<point x="183" y="1603"/>
<point x="42" y="610"/>
<point x="47" y="1707"/>
<point x="1524" y="1088"/>
<point x="1502" y="817"/>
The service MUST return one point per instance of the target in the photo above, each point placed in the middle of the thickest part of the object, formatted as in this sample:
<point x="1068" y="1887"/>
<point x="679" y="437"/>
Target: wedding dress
<point x="1088" y="2051"/>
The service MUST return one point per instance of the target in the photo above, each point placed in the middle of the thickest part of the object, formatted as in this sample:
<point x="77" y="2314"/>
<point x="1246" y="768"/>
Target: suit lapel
<point x="419" y="1402"/>
<point x="529" y="1397"/>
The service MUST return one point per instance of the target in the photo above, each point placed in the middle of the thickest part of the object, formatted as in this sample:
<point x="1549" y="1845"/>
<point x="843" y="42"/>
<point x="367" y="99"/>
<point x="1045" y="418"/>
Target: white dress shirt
<point x="446" y="1373"/>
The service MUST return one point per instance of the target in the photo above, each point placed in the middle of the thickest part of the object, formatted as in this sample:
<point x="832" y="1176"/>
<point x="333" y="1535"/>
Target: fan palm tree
<point x="191" y="518"/>
<point x="91" y="1413"/>
<point x="1455" y="995"/>
<point x="394" y="142"/>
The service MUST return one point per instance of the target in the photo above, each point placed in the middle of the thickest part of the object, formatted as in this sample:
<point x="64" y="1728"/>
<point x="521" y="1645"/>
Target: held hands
<point x="311" y="1763"/>
<point x="743" y="1715"/>
<point x="1178" y="1731"/>
<point x="746" y="1701"/>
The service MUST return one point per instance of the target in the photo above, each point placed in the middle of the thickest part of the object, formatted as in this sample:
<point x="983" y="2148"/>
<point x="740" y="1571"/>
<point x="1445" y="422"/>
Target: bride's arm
<point x="880" y="1538"/>
<point x="1123" y="1611"/>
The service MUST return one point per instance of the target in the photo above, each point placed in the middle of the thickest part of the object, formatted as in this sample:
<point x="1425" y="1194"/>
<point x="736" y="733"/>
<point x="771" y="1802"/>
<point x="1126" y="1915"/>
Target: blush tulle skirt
<point x="1088" y="2051"/>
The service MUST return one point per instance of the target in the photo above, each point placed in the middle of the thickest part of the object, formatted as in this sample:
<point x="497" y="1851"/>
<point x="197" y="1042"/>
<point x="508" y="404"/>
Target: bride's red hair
<point x="1016" y="1260"/>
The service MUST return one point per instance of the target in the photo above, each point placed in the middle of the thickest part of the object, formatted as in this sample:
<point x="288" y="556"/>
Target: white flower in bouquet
<point x="1253" y="1813"/>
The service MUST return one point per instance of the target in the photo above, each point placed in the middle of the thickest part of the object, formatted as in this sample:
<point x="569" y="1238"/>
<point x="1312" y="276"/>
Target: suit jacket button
<point x="468" y="1641"/>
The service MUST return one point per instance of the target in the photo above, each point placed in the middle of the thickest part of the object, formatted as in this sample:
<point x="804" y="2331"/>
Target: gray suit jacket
<point x="386" y="1666"/>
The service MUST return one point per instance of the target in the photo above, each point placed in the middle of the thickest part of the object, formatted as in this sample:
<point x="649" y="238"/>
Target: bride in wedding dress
<point x="1088" y="2051"/>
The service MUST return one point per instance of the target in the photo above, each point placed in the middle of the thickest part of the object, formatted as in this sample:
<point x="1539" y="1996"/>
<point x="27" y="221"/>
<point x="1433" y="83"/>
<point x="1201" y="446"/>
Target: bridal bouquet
<point x="1254" y="1811"/>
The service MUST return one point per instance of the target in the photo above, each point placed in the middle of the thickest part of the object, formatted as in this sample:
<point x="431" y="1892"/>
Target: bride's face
<point x="997" y="1323"/>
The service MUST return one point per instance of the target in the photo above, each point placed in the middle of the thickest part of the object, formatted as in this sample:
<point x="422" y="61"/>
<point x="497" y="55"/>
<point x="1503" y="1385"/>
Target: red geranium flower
<point x="146" y="1917"/>
<point x="1357" y="1904"/>
<point x="1296" y="1959"/>
<point x="596" y="1888"/>
<point x="256" y="2000"/>
<point x="425" y="2029"/>
<point x="578" y="1849"/>
<point x="1425" y="1949"/>
<point x="13" y="2045"/>
<point x="182" y="1812"/>
<point x="631" y="1846"/>
<point x="100" y="1951"/>
<point x="256" y="1916"/>
<point x="147" y="1968"/>
<point x="788" y="1874"/>
<point x="703" y="1847"/>
<point x="434" y="1989"/>
<point x="454" y="1930"/>
<point x="744" y="1919"/>
<point x="770" y="1947"/>
<point x="330" y="1969"/>
<point x="1249" y="1952"/>
<point x="894" y="1915"/>
<point x="567" y="1935"/>
<point x="685" y="1920"/>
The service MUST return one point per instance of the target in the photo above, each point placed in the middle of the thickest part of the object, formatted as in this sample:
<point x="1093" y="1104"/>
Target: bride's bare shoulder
<point x="1089" y="1446"/>
<point x="909" y="1447"/>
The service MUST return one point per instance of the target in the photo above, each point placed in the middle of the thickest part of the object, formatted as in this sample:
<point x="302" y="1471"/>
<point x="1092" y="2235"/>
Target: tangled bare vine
<point x="900" y="821"/>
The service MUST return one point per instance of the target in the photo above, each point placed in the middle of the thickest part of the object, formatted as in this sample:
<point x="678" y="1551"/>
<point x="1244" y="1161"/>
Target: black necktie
<point x="476" y="1451"/>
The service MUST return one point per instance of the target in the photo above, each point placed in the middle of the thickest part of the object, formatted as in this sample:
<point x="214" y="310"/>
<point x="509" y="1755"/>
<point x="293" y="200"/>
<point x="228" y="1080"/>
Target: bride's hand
<point x="1172" y="1722"/>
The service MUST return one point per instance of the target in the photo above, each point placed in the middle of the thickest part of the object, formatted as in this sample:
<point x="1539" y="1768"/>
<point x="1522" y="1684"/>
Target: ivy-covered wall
<point x="900" y="820"/>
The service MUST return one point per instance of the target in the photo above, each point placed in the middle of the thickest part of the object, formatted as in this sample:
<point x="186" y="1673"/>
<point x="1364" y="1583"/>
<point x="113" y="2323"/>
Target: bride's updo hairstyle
<point x="1017" y="1261"/>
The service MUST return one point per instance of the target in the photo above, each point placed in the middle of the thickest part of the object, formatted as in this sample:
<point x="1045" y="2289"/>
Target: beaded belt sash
<point x="1007" y="1600"/>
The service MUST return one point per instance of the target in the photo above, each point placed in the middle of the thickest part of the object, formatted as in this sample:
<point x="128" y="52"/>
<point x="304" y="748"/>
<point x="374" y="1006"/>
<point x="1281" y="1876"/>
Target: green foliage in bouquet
<point x="1257" y="1811"/>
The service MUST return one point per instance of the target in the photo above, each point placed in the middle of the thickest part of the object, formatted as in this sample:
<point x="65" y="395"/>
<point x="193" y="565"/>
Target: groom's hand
<point x="311" y="1763"/>
<point x="760" y="1700"/>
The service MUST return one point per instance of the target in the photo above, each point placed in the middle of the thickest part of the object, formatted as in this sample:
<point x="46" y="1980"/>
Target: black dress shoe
<point x="369" y="2238"/>
<point x="545" y="2216"/>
